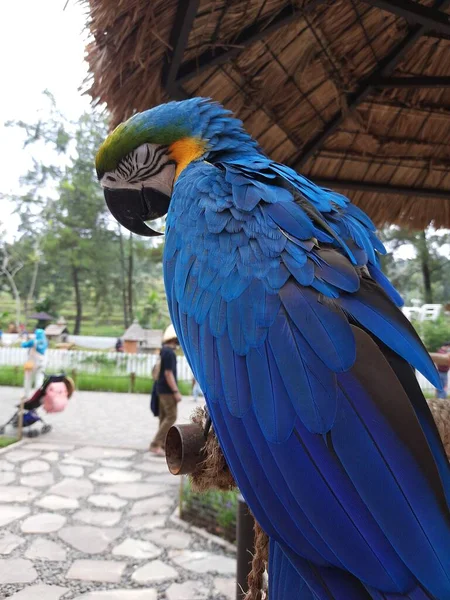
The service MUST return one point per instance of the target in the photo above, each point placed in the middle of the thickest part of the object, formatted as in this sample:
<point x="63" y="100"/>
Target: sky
<point x="42" y="47"/>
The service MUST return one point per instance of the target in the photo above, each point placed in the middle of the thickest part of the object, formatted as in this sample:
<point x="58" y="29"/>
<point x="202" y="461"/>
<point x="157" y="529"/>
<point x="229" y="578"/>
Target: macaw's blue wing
<point x="304" y="361"/>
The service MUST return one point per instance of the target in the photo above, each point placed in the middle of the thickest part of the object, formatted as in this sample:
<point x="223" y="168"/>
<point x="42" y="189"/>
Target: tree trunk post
<point x="245" y="547"/>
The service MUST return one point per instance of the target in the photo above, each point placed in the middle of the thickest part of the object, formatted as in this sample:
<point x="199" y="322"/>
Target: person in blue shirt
<point x="38" y="348"/>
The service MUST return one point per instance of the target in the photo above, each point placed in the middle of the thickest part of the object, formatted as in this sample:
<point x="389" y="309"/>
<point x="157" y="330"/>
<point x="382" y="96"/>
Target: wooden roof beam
<point x="251" y="34"/>
<point x="412" y="82"/>
<point x="381" y="188"/>
<point x="429" y="17"/>
<point x="384" y="68"/>
<point x="184" y="19"/>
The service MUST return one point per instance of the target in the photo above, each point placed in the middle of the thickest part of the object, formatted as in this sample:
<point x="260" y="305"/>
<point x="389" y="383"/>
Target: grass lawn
<point x="6" y="440"/>
<point x="104" y="381"/>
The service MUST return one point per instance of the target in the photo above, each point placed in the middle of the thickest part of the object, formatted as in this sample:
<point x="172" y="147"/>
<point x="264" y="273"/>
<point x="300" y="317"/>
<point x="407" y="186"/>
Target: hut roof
<point x="134" y="333"/>
<point x="152" y="338"/>
<point x="355" y="94"/>
<point x="56" y="329"/>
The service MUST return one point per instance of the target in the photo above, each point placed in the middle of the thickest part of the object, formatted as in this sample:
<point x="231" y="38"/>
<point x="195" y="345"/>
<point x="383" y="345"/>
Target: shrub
<point x="434" y="333"/>
<point x="213" y="510"/>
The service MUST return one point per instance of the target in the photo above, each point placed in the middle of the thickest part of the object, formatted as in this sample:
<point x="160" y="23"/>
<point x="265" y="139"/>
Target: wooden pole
<point x="245" y="547"/>
<point x="20" y="419"/>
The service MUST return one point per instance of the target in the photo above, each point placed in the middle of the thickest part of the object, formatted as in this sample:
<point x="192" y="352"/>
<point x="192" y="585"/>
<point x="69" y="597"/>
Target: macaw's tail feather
<point x="293" y="578"/>
<point x="284" y="580"/>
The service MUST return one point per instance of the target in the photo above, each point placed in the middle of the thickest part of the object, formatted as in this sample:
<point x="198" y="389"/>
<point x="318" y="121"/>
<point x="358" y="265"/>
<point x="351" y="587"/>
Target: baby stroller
<point x="53" y="396"/>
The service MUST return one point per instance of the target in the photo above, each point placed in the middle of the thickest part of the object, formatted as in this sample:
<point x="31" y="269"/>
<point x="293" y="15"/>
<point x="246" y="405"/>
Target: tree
<point x="9" y="269"/>
<point x="63" y="210"/>
<point x="69" y="246"/>
<point x="426" y="275"/>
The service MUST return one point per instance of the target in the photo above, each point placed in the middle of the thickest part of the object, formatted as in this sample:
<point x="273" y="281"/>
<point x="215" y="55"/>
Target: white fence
<point x="94" y="362"/>
<point x="122" y="363"/>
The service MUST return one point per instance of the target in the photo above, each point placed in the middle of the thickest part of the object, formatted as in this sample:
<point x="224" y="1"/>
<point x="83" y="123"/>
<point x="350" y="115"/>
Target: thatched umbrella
<point x="354" y="94"/>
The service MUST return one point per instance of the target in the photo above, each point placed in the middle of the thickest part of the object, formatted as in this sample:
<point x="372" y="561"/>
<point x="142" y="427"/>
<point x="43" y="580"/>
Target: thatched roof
<point x="323" y="85"/>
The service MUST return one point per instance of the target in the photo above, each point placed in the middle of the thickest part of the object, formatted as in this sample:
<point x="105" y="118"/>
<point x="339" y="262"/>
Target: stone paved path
<point x="102" y="418"/>
<point x="80" y="522"/>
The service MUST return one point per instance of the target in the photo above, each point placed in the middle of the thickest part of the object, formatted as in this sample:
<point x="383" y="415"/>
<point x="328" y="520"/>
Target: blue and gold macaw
<point x="306" y="361"/>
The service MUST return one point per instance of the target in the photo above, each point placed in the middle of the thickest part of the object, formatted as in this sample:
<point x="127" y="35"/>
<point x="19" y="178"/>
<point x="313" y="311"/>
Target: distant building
<point x="58" y="331"/>
<point x="137" y="339"/>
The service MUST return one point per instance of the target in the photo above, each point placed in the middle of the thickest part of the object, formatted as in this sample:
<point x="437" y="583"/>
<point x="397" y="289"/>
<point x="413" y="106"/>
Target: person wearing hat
<point x="167" y="390"/>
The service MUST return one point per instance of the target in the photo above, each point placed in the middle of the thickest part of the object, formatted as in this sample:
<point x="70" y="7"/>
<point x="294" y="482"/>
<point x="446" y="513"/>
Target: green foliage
<point x="11" y="375"/>
<point x="6" y="440"/>
<point x="216" y="510"/>
<point x="5" y="317"/>
<point x="434" y="333"/>
<point x="426" y="275"/>
<point x="67" y="238"/>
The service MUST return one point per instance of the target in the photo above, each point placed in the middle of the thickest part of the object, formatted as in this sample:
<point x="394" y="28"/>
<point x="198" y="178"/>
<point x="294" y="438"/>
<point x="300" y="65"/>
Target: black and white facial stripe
<point x="149" y="165"/>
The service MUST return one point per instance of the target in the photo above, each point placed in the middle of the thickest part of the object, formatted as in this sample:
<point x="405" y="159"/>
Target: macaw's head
<point x="139" y="162"/>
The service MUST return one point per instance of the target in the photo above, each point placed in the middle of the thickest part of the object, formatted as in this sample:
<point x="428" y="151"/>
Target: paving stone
<point x="147" y="594"/>
<point x="204" y="562"/>
<point x="6" y="466"/>
<point x="35" y="466"/>
<point x="147" y="522"/>
<point x="153" y="467"/>
<point x="41" y="591"/>
<point x="9" y="541"/>
<point x="116" y="463"/>
<point x="73" y="488"/>
<point x="109" y="571"/>
<point x="88" y="539"/>
<point x="169" y="538"/>
<point x="39" y="480"/>
<point x="105" y="475"/>
<point x="71" y="470"/>
<point x="44" y="549"/>
<point x="78" y="462"/>
<point x="135" y="491"/>
<point x="20" y="455"/>
<point x="104" y="518"/>
<point x="166" y="479"/>
<point x="106" y="501"/>
<point x="6" y="477"/>
<point x="189" y="590"/>
<point x="9" y="513"/>
<point x="16" y="493"/>
<point x="50" y="456"/>
<point x="48" y="446"/>
<point x="226" y="587"/>
<point x="52" y="502"/>
<point x="137" y="549"/>
<point x="94" y="453"/>
<point x="43" y="523"/>
<point x="154" y="571"/>
<point x="16" y="570"/>
<point x="158" y="505"/>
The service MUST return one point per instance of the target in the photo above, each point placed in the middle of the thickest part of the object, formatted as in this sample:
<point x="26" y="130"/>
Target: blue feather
<point x="276" y="420"/>
<point x="378" y="275"/>
<point x="310" y="385"/>
<point x="304" y="274"/>
<point x="375" y="312"/>
<point x="290" y="217"/>
<point x="324" y="327"/>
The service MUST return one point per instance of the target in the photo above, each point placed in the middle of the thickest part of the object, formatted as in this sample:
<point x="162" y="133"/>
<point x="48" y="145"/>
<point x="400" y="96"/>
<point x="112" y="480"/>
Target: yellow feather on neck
<point x="185" y="151"/>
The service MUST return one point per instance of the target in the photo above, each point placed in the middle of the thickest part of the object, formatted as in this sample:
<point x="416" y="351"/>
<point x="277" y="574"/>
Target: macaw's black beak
<point x="132" y="207"/>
